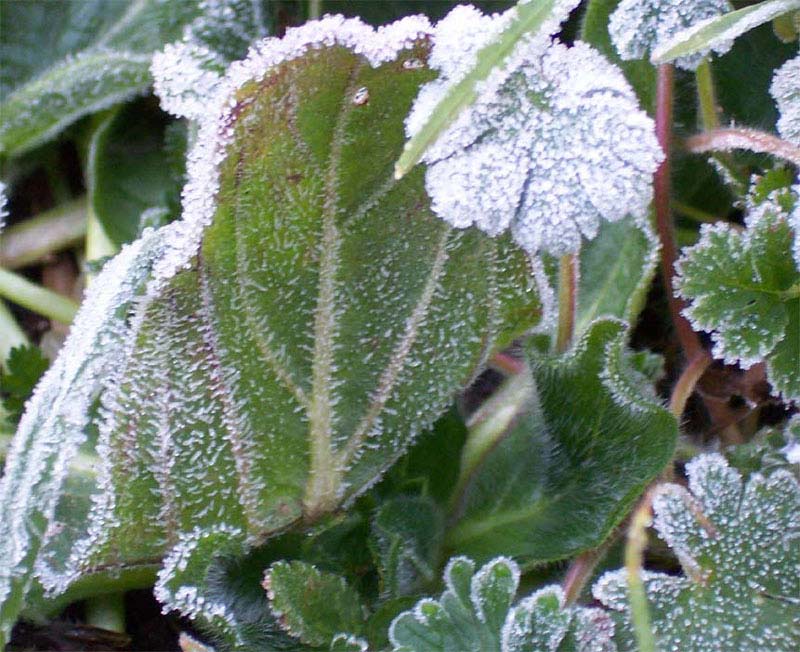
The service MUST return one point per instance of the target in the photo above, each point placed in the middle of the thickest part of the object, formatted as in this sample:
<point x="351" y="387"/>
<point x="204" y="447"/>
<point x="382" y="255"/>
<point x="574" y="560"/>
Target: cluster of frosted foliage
<point x="785" y="89"/>
<point x="57" y="415"/>
<point x="215" y="119"/>
<point x="475" y="614"/>
<point x="637" y="26"/>
<point x="554" y="142"/>
<point x="739" y="546"/>
<point x="187" y="73"/>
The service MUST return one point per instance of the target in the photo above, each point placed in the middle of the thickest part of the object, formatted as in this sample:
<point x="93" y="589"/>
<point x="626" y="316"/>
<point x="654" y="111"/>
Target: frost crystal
<point x="3" y="209"/>
<point x="215" y="111"/>
<point x="554" y="142"/>
<point x="786" y="91"/>
<point x="739" y="545"/>
<point x="637" y="26"/>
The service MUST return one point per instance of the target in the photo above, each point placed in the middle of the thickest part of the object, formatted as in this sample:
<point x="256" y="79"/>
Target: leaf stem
<point x="686" y="383"/>
<point x="725" y="140"/>
<point x="314" y="9"/>
<point x="20" y="290"/>
<point x="567" y="294"/>
<point x="689" y="340"/>
<point x="634" y="559"/>
<point x="54" y="230"/>
<point x="707" y="96"/>
<point x="581" y="569"/>
<point x="106" y="612"/>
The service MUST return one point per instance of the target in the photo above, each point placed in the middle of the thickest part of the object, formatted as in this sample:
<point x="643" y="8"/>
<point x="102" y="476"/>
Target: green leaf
<point x="307" y="318"/>
<point x="527" y="18"/>
<point x="310" y="604"/>
<point x="407" y="534"/>
<point x="23" y="368"/>
<point x="129" y="170"/>
<point x="720" y="32"/>
<point x="581" y="452"/>
<point x="768" y="450"/>
<point x="68" y="59"/>
<point x="616" y="269"/>
<point x="474" y="614"/>
<point x="739" y="545"/>
<point x="594" y="31"/>
<point x="744" y="287"/>
<point x="785" y="90"/>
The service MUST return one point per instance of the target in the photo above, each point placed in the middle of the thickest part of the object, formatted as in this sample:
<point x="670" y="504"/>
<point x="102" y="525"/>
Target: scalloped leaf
<point x="556" y="485"/>
<point x="407" y="535"/>
<point x="744" y="287"/>
<point x="739" y="545"/>
<point x="718" y="33"/>
<point x="637" y="27"/>
<point x="304" y="321"/>
<point x="785" y="89"/>
<point x="64" y="60"/>
<point x="553" y="144"/>
<point x="474" y="614"/>
<point x="312" y="605"/>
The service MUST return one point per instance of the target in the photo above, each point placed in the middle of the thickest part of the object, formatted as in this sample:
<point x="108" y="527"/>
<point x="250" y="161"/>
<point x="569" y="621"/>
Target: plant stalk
<point x="707" y="96"/>
<point x="726" y="140"/>
<point x="314" y="9"/>
<point x="106" y="612"/>
<point x="11" y="335"/>
<point x="634" y="560"/>
<point x="567" y="297"/>
<point x="689" y="340"/>
<point x="687" y="382"/>
<point x="34" y="297"/>
<point x="581" y="569"/>
<point x="54" y="230"/>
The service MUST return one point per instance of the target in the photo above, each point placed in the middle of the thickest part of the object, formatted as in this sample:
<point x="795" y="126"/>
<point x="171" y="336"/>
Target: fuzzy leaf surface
<point x="739" y="545"/>
<point x="785" y="90"/>
<point x="64" y="60"/>
<point x="307" y="317"/>
<point x="718" y="33"/>
<point x="558" y="483"/>
<point x="475" y="614"/>
<point x="310" y="604"/>
<point x="744" y="287"/>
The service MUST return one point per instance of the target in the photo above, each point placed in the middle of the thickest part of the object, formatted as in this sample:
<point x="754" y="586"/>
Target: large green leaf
<point x="577" y="458"/>
<point x="288" y="352"/>
<point x="63" y="60"/>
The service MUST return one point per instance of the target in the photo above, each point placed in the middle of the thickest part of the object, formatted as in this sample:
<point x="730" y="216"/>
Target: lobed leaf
<point x="739" y="545"/>
<point x="553" y="144"/>
<point x="302" y="323"/>
<point x="718" y="33"/>
<point x="557" y="484"/>
<point x="744" y="287"/>
<point x="786" y="92"/>
<point x="474" y="614"/>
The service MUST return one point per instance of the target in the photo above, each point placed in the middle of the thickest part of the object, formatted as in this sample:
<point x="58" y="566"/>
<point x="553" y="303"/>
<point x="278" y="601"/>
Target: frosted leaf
<point x="718" y="32"/>
<point x="187" y="73"/>
<point x="744" y="288"/>
<point x="58" y="414"/>
<point x="785" y="89"/>
<point x="474" y="614"/>
<point x="739" y="545"/>
<point x="637" y="26"/>
<point x="3" y="206"/>
<point x="554" y="142"/>
<point x="794" y="223"/>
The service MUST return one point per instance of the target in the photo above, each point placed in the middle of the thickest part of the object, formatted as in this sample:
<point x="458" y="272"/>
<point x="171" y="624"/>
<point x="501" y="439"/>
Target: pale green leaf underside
<point x="739" y="545"/>
<point x="327" y="318"/>
<point x="720" y="31"/>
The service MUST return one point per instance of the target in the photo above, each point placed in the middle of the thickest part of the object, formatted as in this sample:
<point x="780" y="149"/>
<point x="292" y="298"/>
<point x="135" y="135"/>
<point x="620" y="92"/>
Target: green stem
<point x="314" y="9"/>
<point x="792" y="293"/>
<point x="693" y="213"/>
<point x="634" y="558"/>
<point x="706" y="96"/>
<point x="34" y="297"/>
<point x="686" y="383"/>
<point x="54" y="230"/>
<point x="106" y="612"/>
<point x="567" y="295"/>
<point x="11" y="334"/>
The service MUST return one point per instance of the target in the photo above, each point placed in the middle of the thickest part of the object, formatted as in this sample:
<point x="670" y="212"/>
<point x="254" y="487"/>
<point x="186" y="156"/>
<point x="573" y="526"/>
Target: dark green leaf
<point x="580" y="454"/>
<point x="312" y="605"/>
<point x="23" y="368"/>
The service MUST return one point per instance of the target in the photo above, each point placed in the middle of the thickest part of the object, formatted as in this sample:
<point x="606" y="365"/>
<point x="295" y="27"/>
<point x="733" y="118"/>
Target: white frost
<point x="554" y="143"/>
<point x="3" y="208"/>
<point x="637" y="27"/>
<point x="785" y="89"/>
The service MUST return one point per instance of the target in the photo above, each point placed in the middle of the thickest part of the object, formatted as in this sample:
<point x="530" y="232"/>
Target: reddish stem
<point x="689" y="340"/>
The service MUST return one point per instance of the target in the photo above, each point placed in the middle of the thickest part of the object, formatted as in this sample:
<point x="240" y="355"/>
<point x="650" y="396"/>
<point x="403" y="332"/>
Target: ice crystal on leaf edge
<point x="554" y="142"/>
<point x="637" y="27"/>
